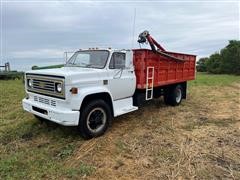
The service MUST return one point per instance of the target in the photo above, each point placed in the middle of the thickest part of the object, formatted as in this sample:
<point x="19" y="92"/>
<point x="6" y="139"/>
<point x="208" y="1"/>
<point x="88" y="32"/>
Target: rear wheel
<point x="95" y="119"/>
<point x="173" y="96"/>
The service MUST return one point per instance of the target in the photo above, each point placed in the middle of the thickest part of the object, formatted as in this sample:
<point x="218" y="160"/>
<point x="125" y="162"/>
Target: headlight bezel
<point x="30" y="83"/>
<point x="58" y="87"/>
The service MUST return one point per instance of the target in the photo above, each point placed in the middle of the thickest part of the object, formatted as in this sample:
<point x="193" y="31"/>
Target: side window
<point x="118" y="61"/>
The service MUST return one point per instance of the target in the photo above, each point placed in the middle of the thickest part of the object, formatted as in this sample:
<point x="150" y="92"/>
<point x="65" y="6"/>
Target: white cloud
<point x="38" y="53"/>
<point x="33" y="30"/>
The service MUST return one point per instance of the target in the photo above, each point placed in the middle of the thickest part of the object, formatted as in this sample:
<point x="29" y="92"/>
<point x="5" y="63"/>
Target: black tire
<point x="157" y="93"/>
<point x="173" y="95"/>
<point x="95" y="118"/>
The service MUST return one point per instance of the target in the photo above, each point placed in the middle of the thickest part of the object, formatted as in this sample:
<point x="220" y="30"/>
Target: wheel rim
<point x="178" y="95"/>
<point x="96" y="120"/>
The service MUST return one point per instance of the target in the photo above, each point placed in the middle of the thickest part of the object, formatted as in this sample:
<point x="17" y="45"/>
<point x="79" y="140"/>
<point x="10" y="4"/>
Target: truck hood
<point x="72" y="75"/>
<point x="65" y="71"/>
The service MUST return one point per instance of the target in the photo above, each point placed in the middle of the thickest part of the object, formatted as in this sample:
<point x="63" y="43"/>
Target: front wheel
<point x="95" y="119"/>
<point x="173" y="96"/>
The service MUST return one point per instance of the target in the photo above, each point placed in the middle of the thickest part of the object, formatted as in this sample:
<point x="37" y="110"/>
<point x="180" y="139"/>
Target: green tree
<point x="230" y="63"/>
<point x="227" y="61"/>
<point x="201" y="64"/>
<point x="213" y="64"/>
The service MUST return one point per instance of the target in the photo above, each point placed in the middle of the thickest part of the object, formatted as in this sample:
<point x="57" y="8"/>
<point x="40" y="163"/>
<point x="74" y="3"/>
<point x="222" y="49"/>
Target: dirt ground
<point x="199" y="139"/>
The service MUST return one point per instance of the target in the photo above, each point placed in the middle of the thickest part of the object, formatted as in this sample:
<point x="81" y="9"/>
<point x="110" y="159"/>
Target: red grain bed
<point x="166" y="70"/>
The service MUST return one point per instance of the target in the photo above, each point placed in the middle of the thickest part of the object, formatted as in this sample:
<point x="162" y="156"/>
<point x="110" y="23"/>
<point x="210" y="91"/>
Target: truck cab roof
<point x="106" y="49"/>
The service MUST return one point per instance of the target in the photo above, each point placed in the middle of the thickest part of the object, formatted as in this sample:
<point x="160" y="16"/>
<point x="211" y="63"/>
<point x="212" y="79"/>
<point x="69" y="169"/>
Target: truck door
<point x="122" y="80"/>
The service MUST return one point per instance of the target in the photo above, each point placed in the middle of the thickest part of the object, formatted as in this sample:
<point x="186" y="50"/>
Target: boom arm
<point x="145" y="36"/>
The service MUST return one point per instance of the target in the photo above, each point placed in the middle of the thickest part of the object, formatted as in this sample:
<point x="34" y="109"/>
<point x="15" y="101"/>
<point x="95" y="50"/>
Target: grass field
<point x="200" y="139"/>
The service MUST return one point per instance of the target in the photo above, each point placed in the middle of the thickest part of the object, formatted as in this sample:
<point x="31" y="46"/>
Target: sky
<point x="39" y="32"/>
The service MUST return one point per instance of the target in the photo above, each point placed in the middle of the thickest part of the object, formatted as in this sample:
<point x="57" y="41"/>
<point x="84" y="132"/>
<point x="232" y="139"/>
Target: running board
<point x="123" y="106"/>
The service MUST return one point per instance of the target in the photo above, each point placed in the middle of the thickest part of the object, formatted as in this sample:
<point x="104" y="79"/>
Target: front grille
<point x="45" y="85"/>
<point x="45" y="101"/>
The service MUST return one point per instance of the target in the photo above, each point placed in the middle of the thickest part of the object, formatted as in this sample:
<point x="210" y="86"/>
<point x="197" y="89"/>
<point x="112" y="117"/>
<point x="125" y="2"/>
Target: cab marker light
<point x="74" y="90"/>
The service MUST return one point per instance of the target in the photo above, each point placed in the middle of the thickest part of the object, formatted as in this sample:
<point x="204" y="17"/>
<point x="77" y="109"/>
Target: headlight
<point x="30" y="82"/>
<point x="59" y="87"/>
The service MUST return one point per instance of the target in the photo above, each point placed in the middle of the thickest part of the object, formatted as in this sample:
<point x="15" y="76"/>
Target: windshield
<point x="89" y="59"/>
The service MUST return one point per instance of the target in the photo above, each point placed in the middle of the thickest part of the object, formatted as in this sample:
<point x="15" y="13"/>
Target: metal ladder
<point x="149" y="87"/>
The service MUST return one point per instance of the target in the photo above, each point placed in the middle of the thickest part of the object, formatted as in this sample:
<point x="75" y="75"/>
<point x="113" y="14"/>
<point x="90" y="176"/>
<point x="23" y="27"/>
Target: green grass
<point x="31" y="150"/>
<point x="82" y="170"/>
<point x="204" y="79"/>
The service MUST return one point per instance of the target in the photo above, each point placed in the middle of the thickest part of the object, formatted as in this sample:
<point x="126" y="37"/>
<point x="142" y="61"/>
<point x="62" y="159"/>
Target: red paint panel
<point x="166" y="70"/>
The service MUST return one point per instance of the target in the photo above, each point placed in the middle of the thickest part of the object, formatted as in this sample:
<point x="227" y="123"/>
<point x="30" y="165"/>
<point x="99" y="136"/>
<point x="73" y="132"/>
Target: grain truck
<point x="96" y="85"/>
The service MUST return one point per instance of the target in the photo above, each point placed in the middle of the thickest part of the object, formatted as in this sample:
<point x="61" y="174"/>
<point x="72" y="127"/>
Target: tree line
<point x="227" y="61"/>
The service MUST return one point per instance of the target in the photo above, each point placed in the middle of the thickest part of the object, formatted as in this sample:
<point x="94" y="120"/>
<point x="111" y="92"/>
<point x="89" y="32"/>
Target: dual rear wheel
<point x="173" y="95"/>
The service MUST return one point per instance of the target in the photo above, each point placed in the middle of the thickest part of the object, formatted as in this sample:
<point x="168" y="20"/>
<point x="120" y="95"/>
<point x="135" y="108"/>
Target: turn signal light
<point x="74" y="90"/>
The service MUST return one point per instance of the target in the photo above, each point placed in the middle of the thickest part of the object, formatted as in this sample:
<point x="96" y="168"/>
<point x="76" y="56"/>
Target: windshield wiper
<point x="89" y="65"/>
<point x="83" y="65"/>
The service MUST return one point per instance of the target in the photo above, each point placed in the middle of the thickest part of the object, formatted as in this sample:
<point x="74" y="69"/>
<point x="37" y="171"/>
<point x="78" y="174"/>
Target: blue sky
<point x="38" y="32"/>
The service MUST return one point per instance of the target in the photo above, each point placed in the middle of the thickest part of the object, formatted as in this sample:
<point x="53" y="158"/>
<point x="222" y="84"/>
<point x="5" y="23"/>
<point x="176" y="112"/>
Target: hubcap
<point x="96" y="120"/>
<point x="178" y="95"/>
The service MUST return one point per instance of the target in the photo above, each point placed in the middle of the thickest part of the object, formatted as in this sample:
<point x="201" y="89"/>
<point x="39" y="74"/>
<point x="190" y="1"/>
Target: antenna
<point x="133" y="30"/>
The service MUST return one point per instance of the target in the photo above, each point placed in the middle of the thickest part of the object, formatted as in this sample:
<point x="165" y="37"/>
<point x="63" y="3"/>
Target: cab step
<point x="123" y="106"/>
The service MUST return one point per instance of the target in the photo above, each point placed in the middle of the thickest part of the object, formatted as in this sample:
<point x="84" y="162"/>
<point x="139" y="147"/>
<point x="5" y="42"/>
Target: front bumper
<point x="61" y="116"/>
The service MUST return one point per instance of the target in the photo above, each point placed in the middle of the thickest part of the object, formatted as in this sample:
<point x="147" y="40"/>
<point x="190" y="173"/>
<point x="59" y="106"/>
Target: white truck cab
<point x="94" y="86"/>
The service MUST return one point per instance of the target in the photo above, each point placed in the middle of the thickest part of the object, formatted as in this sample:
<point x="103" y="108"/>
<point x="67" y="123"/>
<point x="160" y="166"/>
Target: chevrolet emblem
<point x="41" y="84"/>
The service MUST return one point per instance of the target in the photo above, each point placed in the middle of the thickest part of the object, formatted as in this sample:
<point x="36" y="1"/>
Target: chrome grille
<point x="45" y="85"/>
<point x="45" y="101"/>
